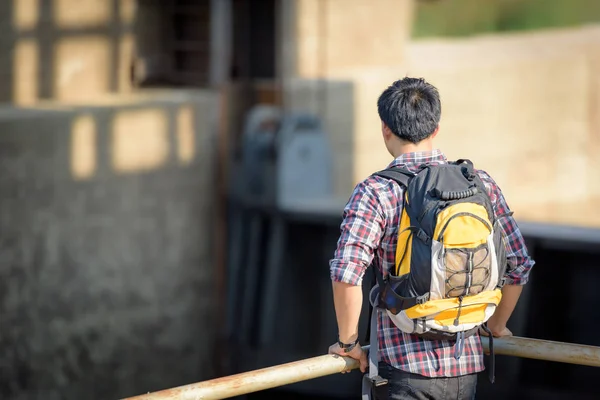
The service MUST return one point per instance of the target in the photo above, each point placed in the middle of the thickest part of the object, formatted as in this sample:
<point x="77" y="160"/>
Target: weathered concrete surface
<point x="106" y="274"/>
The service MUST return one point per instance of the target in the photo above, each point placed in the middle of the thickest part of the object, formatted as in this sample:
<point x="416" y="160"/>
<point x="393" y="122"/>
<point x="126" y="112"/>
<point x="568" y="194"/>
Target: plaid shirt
<point x="369" y="235"/>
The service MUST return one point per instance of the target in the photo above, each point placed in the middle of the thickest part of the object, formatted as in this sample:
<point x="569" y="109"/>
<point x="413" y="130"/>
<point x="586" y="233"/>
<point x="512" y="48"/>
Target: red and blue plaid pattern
<point x="368" y="237"/>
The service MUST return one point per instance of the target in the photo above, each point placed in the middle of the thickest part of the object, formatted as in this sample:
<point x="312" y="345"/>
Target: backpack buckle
<point x="423" y="299"/>
<point x="423" y="236"/>
<point x="378" y="381"/>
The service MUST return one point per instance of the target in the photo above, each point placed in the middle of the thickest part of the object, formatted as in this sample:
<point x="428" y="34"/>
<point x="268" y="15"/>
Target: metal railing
<point x="316" y="367"/>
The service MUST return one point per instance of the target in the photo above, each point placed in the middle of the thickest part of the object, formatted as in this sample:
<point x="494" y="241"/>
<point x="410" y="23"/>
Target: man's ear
<point x="387" y="133"/>
<point x="434" y="134"/>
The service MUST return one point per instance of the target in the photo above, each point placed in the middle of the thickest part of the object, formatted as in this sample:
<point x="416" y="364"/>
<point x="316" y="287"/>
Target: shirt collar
<point x="419" y="157"/>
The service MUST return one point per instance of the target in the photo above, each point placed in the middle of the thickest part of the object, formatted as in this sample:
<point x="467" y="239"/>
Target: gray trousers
<point x="404" y="385"/>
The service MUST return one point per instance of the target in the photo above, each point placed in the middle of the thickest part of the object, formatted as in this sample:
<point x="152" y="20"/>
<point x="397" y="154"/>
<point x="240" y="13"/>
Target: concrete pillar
<point x="328" y="38"/>
<point x="330" y="59"/>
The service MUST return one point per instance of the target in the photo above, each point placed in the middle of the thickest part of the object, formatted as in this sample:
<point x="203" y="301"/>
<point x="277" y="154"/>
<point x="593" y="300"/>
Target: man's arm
<point x="361" y="232"/>
<point x="497" y="322"/>
<point x="347" y="299"/>
<point x="519" y="261"/>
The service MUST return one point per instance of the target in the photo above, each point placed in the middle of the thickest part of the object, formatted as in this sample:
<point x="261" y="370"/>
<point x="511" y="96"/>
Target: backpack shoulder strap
<point x="399" y="175"/>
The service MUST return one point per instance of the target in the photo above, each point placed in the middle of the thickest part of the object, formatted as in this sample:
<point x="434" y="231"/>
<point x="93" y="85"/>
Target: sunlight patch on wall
<point x="186" y="138"/>
<point x="82" y="13"/>
<point x="25" y="67"/>
<point x="83" y="147"/>
<point x="26" y="14"/>
<point x="81" y="67"/>
<point x="140" y="140"/>
<point x="127" y="11"/>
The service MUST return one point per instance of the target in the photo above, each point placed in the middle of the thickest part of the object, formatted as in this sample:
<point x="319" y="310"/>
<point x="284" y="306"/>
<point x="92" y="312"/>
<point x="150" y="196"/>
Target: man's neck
<point x="407" y="147"/>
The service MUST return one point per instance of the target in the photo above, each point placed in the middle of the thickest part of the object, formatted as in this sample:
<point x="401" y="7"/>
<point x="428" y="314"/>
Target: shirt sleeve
<point x="361" y="232"/>
<point x="519" y="261"/>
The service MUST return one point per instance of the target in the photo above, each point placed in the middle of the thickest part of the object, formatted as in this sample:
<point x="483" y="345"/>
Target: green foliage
<point x="439" y="18"/>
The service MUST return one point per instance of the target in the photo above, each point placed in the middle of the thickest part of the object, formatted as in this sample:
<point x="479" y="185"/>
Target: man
<point x="415" y="368"/>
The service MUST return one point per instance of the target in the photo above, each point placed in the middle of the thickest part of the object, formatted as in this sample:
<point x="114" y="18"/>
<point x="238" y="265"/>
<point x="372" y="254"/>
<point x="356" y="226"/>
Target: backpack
<point x="450" y="257"/>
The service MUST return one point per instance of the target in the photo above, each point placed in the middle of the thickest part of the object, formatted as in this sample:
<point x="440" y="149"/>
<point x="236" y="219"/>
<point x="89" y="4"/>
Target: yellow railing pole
<point x="316" y="367"/>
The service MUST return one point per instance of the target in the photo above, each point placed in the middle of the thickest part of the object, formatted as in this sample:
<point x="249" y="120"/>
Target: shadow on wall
<point x="136" y="139"/>
<point x="66" y="49"/>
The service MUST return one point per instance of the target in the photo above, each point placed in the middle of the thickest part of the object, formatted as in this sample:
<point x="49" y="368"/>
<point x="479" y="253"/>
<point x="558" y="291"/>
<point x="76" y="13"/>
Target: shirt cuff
<point x="520" y="281"/>
<point x="346" y="272"/>
<point x="519" y="276"/>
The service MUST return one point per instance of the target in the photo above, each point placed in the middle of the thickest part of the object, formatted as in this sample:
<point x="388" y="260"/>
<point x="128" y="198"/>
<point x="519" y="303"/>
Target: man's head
<point x="410" y="112"/>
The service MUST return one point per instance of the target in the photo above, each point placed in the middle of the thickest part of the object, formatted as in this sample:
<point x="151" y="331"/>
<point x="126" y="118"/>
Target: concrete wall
<point x="525" y="107"/>
<point x="106" y="272"/>
<point x="107" y="286"/>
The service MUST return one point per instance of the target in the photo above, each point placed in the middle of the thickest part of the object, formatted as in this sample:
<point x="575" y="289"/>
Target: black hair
<point x="411" y="108"/>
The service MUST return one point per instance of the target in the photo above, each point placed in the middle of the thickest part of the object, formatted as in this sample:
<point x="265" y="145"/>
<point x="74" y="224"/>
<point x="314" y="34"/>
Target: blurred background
<point x="173" y="174"/>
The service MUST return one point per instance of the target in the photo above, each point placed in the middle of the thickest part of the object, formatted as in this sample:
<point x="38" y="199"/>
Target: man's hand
<point x="496" y="329"/>
<point x="357" y="353"/>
